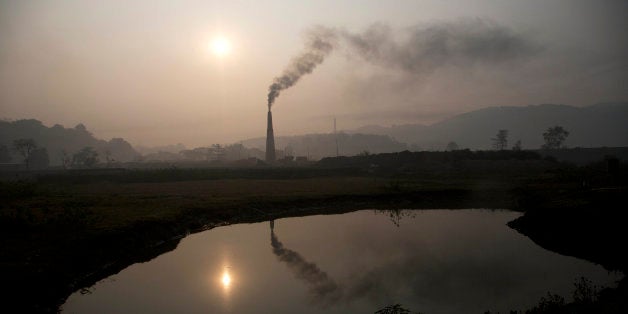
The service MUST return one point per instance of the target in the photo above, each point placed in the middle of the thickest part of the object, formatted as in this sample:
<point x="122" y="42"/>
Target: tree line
<point x="35" y="157"/>
<point x="554" y="138"/>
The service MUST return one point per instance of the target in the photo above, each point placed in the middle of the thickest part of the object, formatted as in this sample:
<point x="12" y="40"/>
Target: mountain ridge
<point x="58" y="139"/>
<point x="601" y="124"/>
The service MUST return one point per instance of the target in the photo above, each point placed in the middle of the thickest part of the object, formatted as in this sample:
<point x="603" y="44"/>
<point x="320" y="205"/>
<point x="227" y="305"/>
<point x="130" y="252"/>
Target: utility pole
<point x="336" y="137"/>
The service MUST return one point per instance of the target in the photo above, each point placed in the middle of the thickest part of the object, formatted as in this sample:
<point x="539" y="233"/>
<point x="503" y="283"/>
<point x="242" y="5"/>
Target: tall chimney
<point x="270" y="140"/>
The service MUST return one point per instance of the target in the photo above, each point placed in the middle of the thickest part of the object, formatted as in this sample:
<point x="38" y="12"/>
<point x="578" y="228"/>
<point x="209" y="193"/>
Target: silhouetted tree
<point x="108" y="158"/>
<point x="517" y="146"/>
<point x="119" y="149"/>
<point x="500" y="141"/>
<point x="86" y="157"/>
<point x="554" y="137"/>
<point x="451" y="146"/>
<point x="81" y="128"/>
<point x="65" y="159"/>
<point x="25" y="147"/>
<point x="5" y="154"/>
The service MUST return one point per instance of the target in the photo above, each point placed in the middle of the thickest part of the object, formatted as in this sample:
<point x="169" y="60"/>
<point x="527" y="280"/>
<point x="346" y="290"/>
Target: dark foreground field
<point x="63" y="231"/>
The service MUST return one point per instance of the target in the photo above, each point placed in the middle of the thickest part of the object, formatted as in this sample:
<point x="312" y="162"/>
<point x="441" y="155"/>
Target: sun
<point x="220" y="46"/>
<point x="226" y="279"/>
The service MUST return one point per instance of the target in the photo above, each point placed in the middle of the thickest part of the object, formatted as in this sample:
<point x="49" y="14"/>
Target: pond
<point x="430" y="261"/>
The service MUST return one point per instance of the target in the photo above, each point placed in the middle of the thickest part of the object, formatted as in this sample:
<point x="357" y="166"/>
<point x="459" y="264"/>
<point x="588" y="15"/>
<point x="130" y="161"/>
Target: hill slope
<point x="58" y="138"/>
<point x="592" y="126"/>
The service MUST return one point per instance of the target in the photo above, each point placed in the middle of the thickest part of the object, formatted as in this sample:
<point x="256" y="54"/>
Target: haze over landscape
<point x="149" y="71"/>
<point x="358" y="156"/>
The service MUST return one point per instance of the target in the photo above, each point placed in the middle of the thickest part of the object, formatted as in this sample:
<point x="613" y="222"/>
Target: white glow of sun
<point x="226" y="279"/>
<point x="220" y="46"/>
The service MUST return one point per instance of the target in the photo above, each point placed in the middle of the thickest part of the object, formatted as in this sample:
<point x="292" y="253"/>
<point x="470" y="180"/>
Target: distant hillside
<point x="317" y="146"/>
<point x="593" y="126"/>
<point x="146" y="150"/>
<point x="58" y="138"/>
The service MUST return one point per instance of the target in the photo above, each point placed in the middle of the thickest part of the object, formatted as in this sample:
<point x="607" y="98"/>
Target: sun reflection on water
<point x="226" y="280"/>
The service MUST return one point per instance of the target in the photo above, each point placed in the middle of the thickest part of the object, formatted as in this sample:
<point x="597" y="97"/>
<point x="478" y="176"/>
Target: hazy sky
<point x="143" y="69"/>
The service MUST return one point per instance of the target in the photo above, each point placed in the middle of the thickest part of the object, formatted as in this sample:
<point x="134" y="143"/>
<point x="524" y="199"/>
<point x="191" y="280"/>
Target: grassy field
<point x="116" y="205"/>
<point x="116" y="199"/>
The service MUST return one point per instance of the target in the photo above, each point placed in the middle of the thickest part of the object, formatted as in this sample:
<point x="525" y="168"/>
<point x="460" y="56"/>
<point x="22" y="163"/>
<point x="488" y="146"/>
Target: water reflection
<point x="321" y="286"/>
<point x="225" y="282"/>
<point x="409" y="270"/>
<point x="463" y="261"/>
<point x="396" y="215"/>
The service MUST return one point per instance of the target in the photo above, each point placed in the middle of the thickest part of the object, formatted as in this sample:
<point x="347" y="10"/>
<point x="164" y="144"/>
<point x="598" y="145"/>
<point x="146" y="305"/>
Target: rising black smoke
<point x="320" y="284"/>
<point x="416" y="50"/>
<point x="319" y="43"/>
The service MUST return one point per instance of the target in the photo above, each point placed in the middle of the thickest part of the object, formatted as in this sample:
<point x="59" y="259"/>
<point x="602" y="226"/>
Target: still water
<point x="432" y="261"/>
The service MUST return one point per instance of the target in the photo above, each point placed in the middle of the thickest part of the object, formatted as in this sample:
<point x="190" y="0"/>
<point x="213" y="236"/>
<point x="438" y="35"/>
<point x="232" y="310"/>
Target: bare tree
<point x="66" y="160"/>
<point x="500" y="141"/>
<point x="554" y="137"/>
<point x="517" y="146"/>
<point x="25" y="147"/>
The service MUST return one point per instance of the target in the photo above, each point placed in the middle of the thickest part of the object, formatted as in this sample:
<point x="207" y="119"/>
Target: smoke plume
<point x="417" y="50"/>
<point x="320" y="42"/>
<point x="422" y="49"/>
<point x="321" y="286"/>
